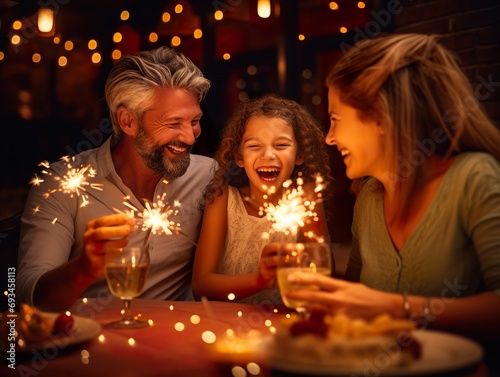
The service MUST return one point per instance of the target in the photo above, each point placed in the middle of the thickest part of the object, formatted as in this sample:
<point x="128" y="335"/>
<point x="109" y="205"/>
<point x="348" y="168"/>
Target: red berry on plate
<point x="309" y="327"/>
<point x="63" y="324"/>
<point x="317" y="315"/>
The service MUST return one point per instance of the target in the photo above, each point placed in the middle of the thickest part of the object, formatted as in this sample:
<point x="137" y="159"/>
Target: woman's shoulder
<point x="369" y="186"/>
<point x="474" y="175"/>
<point x="475" y="164"/>
<point x="369" y="195"/>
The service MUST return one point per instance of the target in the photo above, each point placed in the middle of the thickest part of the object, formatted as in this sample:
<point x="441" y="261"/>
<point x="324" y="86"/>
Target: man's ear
<point x="126" y="121"/>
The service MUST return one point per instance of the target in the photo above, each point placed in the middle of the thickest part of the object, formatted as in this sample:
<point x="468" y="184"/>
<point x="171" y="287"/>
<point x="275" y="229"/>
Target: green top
<point x="455" y="248"/>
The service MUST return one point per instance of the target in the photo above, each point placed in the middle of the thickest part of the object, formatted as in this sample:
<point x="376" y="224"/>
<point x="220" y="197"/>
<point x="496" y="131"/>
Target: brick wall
<point x="471" y="28"/>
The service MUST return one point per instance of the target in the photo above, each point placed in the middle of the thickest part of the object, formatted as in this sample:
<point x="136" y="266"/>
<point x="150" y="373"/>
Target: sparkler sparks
<point x="73" y="182"/>
<point x="156" y="216"/>
<point x="293" y="209"/>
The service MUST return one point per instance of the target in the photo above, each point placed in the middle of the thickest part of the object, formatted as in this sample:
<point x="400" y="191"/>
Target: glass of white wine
<point x="126" y="271"/>
<point x="308" y="257"/>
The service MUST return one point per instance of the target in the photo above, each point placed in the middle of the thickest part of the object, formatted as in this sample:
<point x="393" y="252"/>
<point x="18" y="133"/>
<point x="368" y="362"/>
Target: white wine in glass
<point x="126" y="271"/>
<point x="293" y="258"/>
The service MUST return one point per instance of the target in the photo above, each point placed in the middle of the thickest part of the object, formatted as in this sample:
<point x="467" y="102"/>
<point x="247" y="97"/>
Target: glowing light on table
<point x="208" y="337"/>
<point x="195" y="319"/>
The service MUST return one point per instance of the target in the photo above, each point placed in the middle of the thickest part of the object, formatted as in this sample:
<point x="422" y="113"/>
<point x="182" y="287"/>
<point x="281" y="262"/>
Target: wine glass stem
<point x="127" y="316"/>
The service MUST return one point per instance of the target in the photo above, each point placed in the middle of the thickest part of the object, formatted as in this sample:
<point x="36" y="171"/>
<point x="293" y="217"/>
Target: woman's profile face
<point x="362" y="143"/>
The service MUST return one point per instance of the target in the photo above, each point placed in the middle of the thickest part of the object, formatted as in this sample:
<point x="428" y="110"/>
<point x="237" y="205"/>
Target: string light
<point x="218" y="15"/>
<point x="165" y="17"/>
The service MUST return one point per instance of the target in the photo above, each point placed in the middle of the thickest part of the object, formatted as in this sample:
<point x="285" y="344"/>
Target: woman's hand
<point x="102" y="233"/>
<point x="340" y="296"/>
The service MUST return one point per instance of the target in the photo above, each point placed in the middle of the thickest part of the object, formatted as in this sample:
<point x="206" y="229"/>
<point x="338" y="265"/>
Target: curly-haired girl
<point x="268" y="141"/>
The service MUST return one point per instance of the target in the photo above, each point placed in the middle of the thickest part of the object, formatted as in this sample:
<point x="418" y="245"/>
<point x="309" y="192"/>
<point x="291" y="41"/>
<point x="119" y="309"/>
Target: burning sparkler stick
<point x="293" y="209"/>
<point x="156" y="217"/>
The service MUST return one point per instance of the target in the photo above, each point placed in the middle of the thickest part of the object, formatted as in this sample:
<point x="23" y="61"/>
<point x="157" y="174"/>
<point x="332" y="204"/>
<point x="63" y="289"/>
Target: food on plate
<point x="63" y="324"/>
<point x="34" y="326"/>
<point x="339" y="341"/>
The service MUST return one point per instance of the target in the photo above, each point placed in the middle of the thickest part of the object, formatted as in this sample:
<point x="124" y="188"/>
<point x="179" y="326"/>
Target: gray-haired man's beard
<point x="156" y="160"/>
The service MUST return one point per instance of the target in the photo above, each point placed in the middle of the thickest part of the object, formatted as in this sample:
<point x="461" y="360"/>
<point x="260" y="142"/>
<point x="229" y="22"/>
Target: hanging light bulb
<point x="46" y="24"/>
<point x="264" y="8"/>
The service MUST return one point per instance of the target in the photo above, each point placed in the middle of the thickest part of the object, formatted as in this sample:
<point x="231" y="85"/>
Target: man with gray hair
<point x="154" y="103"/>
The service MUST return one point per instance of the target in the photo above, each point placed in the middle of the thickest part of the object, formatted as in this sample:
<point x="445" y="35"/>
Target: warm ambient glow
<point x="68" y="45"/>
<point x="361" y="5"/>
<point x="302" y="37"/>
<point x="343" y="30"/>
<point x="16" y="25"/>
<point x="36" y="58"/>
<point x="264" y="8"/>
<point x="46" y="21"/>
<point x="226" y="56"/>
<point x="178" y="8"/>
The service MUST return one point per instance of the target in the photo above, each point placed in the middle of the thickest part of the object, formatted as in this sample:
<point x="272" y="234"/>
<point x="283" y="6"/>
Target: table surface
<point x="176" y="344"/>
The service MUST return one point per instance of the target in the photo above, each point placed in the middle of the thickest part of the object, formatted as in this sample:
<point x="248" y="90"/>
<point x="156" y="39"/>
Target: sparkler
<point x="293" y="209"/>
<point x="73" y="182"/>
<point x="156" y="216"/>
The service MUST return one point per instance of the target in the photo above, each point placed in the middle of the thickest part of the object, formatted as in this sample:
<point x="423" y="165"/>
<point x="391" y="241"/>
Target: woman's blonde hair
<point x="414" y="86"/>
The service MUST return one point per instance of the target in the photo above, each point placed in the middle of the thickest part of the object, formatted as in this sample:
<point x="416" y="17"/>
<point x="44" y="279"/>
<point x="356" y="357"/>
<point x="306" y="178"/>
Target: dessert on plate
<point x="33" y="326"/>
<point x="327" y="341"/>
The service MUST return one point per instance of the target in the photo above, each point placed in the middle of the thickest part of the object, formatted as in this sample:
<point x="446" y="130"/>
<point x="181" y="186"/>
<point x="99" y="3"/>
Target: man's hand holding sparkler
<point x="102" y="233"/>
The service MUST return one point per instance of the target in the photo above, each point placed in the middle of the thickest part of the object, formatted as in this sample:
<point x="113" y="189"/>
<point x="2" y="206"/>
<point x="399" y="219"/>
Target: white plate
<point x="83" y="329"/>
<point x="441" y="352"/>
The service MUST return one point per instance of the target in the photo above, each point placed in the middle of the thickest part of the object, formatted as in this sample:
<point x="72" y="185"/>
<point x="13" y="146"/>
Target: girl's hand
<point x="102" y="233"/>
<point x="340" y="296"/>
<point x="268" y="263"/>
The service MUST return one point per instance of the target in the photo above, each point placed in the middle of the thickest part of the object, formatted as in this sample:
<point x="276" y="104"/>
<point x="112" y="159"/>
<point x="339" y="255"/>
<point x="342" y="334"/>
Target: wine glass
<point x="308" y="257"/>
<point x="126" y="271"/>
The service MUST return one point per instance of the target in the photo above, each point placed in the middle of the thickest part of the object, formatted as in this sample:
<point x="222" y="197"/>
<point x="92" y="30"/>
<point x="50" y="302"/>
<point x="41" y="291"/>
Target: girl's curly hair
<point x="308" y="133"/>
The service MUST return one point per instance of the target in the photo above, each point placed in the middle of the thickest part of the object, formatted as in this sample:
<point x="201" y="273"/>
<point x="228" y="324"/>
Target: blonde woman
<point x="426" y="229"/>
